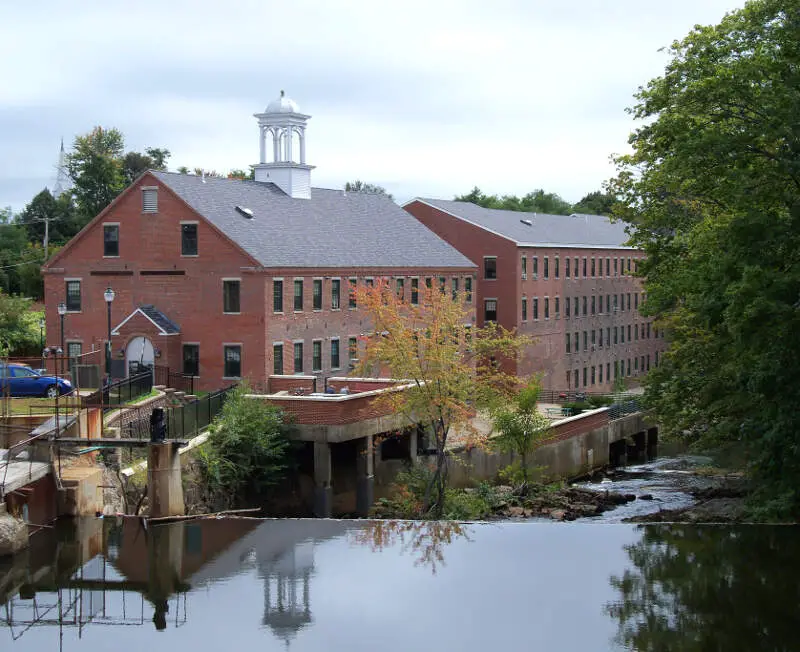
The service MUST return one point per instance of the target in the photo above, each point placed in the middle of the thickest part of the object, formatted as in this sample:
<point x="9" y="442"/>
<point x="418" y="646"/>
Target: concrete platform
<point x="18" y="473"/>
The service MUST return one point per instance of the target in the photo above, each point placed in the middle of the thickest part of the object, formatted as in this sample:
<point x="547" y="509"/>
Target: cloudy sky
<point x="425" y="98"/>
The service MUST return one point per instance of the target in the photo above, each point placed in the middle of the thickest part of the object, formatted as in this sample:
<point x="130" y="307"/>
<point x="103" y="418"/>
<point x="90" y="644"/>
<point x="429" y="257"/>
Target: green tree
<point x="712" y="194"/>
<point x="370" y="188"/>
<point x="595" y="203"/>
<point x="243" y="175"/>
<point x="521" y="427"/>
<point x="45" y="209"/>
<point x="247" y="452"/>
<point x="19" y="327"/>
<point x="136" y="163"/>
<point x="537" y="201"/>
<point x="96" y="167"/>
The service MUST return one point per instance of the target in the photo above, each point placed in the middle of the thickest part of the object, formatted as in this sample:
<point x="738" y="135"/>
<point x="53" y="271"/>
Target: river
<point x="93" y="585"/>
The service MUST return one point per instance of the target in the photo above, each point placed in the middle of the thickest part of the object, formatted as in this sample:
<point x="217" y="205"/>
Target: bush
<point x="247" y="452"/>
<point x="601" y="401"/>
<point x="578" y="406"/>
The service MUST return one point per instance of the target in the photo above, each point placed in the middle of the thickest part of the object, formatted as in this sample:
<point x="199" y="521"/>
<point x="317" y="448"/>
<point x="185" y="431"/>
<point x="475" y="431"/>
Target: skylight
<point x="245" y="212"/>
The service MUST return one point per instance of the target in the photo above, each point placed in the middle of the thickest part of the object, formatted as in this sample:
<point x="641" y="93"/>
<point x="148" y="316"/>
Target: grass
<point x="144" y="397"/>
<point x="27" y="406"/>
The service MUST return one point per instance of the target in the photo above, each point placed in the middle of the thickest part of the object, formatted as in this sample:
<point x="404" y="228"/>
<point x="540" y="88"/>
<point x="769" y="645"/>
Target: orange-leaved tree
<point x="453" y="368"/>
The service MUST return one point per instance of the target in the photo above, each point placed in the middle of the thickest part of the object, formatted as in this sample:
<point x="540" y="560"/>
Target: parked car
<point x="21" y="380"/>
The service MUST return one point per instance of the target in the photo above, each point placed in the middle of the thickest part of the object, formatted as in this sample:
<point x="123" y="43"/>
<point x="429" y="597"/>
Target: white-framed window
<point x="232" y="359"/>
<point x="111" y="240"/>
<point x="231" y="296"/>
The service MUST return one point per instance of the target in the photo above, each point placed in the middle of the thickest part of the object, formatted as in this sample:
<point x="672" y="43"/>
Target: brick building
<point x="226" y="279"/>
<point x="567" y="281"/>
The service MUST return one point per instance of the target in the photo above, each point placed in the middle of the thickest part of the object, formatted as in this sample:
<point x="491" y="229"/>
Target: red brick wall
<point x="333" y="411"/>
<point x="578" y="425"/>
<point x="361" y="385"/>
<point x="547" y="353"/>
<point x="193" y="300"/>
<point x="288" y="383"/>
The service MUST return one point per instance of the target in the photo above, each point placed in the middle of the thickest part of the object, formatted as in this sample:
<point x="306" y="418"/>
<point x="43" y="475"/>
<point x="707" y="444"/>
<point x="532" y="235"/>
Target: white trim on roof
<point x="161" y="331"/>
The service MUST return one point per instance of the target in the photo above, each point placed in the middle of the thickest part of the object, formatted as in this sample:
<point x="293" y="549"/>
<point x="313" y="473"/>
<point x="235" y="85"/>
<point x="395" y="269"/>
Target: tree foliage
<point x="451" y="366"/>
<point x="539" y="201"/>
<point x="521" y="427"/>
<point x="595" y="203"/>
<point x="95" y="165"/>
<point x="19" y="327"/>
<point x="370" y="188"/>
<point x="136" y="163"/>
<point x="247" y="452"/>
<point x="712" y="194"/>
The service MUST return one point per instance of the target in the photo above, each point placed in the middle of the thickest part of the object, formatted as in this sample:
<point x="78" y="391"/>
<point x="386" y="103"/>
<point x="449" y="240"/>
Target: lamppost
<point x="41" y="337"/>
<point x="62" y="310"/>
<point x="108" y="295"/>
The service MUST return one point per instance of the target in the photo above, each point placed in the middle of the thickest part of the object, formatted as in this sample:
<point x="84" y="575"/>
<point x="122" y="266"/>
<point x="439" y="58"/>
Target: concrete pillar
<point x="652" y="443"/>
<point x="262" y="145"/>
<point x="165" y="564"/>
<point x="413" y="439"/>
<point x="164" y="482"/>
<point x="323" y="492"/>
<point x="365" y="478"/>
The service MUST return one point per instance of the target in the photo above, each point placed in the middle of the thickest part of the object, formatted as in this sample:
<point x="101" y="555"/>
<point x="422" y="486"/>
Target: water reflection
<point x="426" y="540"/>
<point x="709" y="588"/>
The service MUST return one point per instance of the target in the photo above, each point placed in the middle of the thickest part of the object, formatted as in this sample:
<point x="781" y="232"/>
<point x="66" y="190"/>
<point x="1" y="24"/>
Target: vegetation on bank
<point x="711" y="192"/>
<point x="247" y="452"/>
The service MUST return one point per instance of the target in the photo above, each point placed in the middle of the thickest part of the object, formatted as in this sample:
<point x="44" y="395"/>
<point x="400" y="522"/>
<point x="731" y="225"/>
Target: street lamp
<point x="41" y="337"/>
<point x="62" y="310"/>
<point x="109" y="295"/>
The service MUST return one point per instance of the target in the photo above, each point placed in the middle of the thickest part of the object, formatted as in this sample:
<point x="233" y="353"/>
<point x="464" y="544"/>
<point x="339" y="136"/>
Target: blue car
<point x="21" y="380"/>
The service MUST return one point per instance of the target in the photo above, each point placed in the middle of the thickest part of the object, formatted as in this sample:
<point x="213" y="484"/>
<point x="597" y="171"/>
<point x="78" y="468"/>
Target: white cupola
<point x="285" y="124"/>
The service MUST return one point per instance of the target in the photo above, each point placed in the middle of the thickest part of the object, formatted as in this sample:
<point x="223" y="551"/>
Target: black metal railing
<point x="121" y="392"/>
<point x="570" y="395"/>
<point x="189" y="419"/>
<point x="164" y="376"/>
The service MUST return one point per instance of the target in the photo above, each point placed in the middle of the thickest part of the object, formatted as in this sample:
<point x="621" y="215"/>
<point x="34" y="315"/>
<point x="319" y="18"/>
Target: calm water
<point x="354" y="585"/>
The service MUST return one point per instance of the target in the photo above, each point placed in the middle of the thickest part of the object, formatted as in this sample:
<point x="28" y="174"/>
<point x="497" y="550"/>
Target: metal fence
<point x="121" y="392"/>
<point x="624" y="408"/>
<point x="188" y="420"/>
<point x="181" y="382"/>
<point x="569" y="395"/>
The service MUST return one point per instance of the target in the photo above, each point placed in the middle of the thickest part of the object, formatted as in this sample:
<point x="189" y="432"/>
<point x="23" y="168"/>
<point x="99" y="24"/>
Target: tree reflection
<point x="710" y="588"/>
<point x="425" y="540"/>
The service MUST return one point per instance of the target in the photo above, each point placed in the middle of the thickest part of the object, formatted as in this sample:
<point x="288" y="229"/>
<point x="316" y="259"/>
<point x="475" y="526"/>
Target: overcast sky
<point x="426" y="98"/>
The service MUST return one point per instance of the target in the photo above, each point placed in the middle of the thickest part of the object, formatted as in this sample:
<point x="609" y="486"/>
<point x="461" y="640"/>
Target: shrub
<point x="600" y="401"/>
<point x="247" y="452"/>
<point x="578" y="406"/>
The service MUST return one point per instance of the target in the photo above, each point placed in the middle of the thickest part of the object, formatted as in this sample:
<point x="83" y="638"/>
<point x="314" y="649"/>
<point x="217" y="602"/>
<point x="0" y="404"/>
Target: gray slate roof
<point x="162" y="321"/>
<point x="595" y="231"/>
<point x="331" y="229"/>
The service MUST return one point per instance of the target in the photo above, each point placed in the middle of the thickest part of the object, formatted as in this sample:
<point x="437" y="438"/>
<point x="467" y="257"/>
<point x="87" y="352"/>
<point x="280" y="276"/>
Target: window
<point x="628" y="373"/>
<point x="316" y="294"/>
<point x="629" y="266"/>
<point x="298" y="294"/>
<point x="428" y="282"/>
<point x="277" y="359"/>
<point x="73" y="296"/>
<point x="594" y="338"/>
<point x="622" y="335"/>
<point x="585" y="340"/>
<point x="298" y="357"/>
<point x="567" y="304"/>
<point x="636" y="301"/>
<point x="576" y="342"/>
<point x="468" y="288"/>
<point x="577" y="311"/>
<point x="576" y="268"/>
<point x="547" y="267"/>
<point x="490" y="267"/>
<point x="336" y="289"/>
<point x="648" y="362"/>
<point x="636" y="332"/>
<point x="594" y="312"/>
<point x="191" y="359"/>
<point x="524" y="262"/>
<point x="584" y="376"/>
<point x="629" y="332"/>
<point x="442" y="284"/>
<point x="547" y="307"/>
<point x="608" y="371"/>
<point x="593" y="273"/>
<point x="600" y="374"/>
<point x="335" y="354"/>
<point x="585" y="306"/>
<point x="608" y="303"/>
<point x="352" y="297"/>
<point x="558" y="308"/>
<point x="400" y="288"/>
<point x="636" y="365"/>
<point x="277" y="295"/>
<point x="188" y="239"/>
<point x="233" y="360"/>
<point x="616" y="304"/>
<point x="600" y="337"/>
<point x="568" y="347"/>
<point x="316" y="355"/>
<point x="648" y="330"/>
<point x="593" y="376"/>
<point x="454" y="285"/>
<point x="629" y="300"/>
<point x="352" y="348"/>
<point x="230" y="296"/>
<point x="616" y="272"/>
<point x="535" y="263"/>
<point x="584" y="267"/>
<point x="608" y="273"/>
<point x="556" y="270"/>
<point x="608" y="336"/>
<point x="369" y="282"/>
<point x="415" y="290"/>
<point x="536" y="307"/>
<point x="615" y="336"/>
<point x="111" y="240"/>
<point x="524" y="309"/>
<point x="73" y="350"/>
<point x="149" y="200"/>
<point x="566" y="268"/>
<point x="490" y="310"/>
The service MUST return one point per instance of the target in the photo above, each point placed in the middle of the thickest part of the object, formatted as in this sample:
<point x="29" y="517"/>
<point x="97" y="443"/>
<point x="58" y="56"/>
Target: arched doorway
<point x="139" y="354"/>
